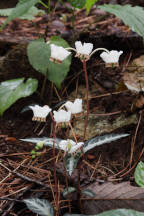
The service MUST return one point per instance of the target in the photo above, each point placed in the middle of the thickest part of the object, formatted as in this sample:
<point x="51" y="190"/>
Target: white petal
<point x="75" y="107"/>
<point x="84" y="49"/>
<point x="78" y="46"/>
<point x="88" y="48"/>
<point x="58" y="52"/>
<point x="63" y="145"/>
<point x="62" y="116"/>
<point x="68" y="105"/>
<point x="111" y="57"/>
<point x="40" y="112"/>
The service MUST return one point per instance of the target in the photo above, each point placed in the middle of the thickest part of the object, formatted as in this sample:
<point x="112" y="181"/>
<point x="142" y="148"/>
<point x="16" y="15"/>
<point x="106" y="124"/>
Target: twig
<point x="54" y="164"/>
<point x="132" y="149"/>
<point x="25" y="177"/>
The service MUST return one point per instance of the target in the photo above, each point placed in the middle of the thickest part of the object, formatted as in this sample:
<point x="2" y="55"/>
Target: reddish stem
<point x="87" y="97"/>
<point x="55" y="177"/>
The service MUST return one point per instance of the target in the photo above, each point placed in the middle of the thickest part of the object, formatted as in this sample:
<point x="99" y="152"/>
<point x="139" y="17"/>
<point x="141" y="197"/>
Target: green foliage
<point x="39" y="206"/>
<point x="89" y="4"/>
<point x="29" y="15"/>
<point x="77" y="3"/>
<point x="81" y="3"/>
<point x="131" y="16"/>
<point x="39" y="53"/>
<point x="139" y="174"/>
<point x="121" y="212"/>
<point x="12" y="90"/>
<point x="115" y="212"/>
<point x="6" y="12"/>
<point x="58" y="72"/>
<point x="20" y="9"/>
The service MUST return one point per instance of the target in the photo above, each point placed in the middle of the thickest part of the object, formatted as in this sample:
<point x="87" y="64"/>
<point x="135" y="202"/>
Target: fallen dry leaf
<point x="111" y="196"/>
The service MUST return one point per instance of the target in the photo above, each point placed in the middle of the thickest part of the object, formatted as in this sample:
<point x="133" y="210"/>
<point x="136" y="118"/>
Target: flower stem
<point x="41" y="2"/>
<point x="98" y="49"/>
<point x="55" y="177"/>
<point x="74" y="135"/>
<point x="87" y="97"/>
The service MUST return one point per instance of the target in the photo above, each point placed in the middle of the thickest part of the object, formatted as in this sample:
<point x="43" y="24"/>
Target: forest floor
<point x="108" y="169"/>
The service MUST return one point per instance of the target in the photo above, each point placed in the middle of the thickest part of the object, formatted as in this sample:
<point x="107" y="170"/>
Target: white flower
<point x="75" y="107"/>
<point x="62" y="116"/>
<point x="58" y="53"/>
<point x="111" y="57"/>
<point x="83" y="49"/>
<point x="70" y="146"/>
<point x="40" y="113"/>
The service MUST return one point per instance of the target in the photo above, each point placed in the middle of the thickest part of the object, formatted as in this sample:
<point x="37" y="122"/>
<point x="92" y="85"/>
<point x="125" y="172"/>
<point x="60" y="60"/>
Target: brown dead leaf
<point x="111" y="196"/>
<point x="11" y="139"/>
<point x="134" y="81"/>
<point x="116" y="191"/>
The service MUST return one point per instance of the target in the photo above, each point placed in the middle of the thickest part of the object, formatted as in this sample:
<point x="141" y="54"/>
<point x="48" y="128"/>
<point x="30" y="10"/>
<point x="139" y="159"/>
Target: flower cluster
<point x="60" y="116"/>
<point x="84" y="52"/>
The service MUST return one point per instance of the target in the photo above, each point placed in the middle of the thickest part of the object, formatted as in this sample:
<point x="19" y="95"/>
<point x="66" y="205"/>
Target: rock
<point x="98" y="125"/>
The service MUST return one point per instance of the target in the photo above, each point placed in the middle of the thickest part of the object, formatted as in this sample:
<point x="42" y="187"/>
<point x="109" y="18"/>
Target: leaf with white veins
<point x="47" y="141"/>
<point x="39" y="206"/>
<point x="100" y="140"/>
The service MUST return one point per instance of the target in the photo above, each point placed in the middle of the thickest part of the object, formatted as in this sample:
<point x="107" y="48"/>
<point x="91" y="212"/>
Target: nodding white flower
<point x="75" y="107"/>
<point x="111" y="57"/>
<point x="40" y="113"/>
<point x="83" y="50"/>
<point x="58" y="53"/>
<point x="62" y="116"/>
<point x="70" y="146"/>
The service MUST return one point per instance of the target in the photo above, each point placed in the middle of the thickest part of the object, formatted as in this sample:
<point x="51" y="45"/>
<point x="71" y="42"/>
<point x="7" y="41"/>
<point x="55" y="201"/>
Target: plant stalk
<point x="87" y="97"/>
<point x="54" y="164"/>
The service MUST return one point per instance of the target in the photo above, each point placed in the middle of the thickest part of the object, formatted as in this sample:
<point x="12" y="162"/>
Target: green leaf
<point x="58" y="72"/>
<point x="89" y="4"/>
<point x="77" y="3"/>
<point x="115" y="212"/>
<point x="139" y="174"/>
<point x="100" y="140"/>
<point x="71" y="162"/>
<point x="6" y="12"/>
<point x="131" y="16"/>
<point x="12" y="90"/>
<point x="46" y="141"/>
<point x="20" y="9"/>
<point x="39" y="206"/>
<point x="39" y="53"/>
<point x="32" y="13"/>
<point x="68" y="191"/>
<point x="88" y="193"/>
<point x="29" y="15"/>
